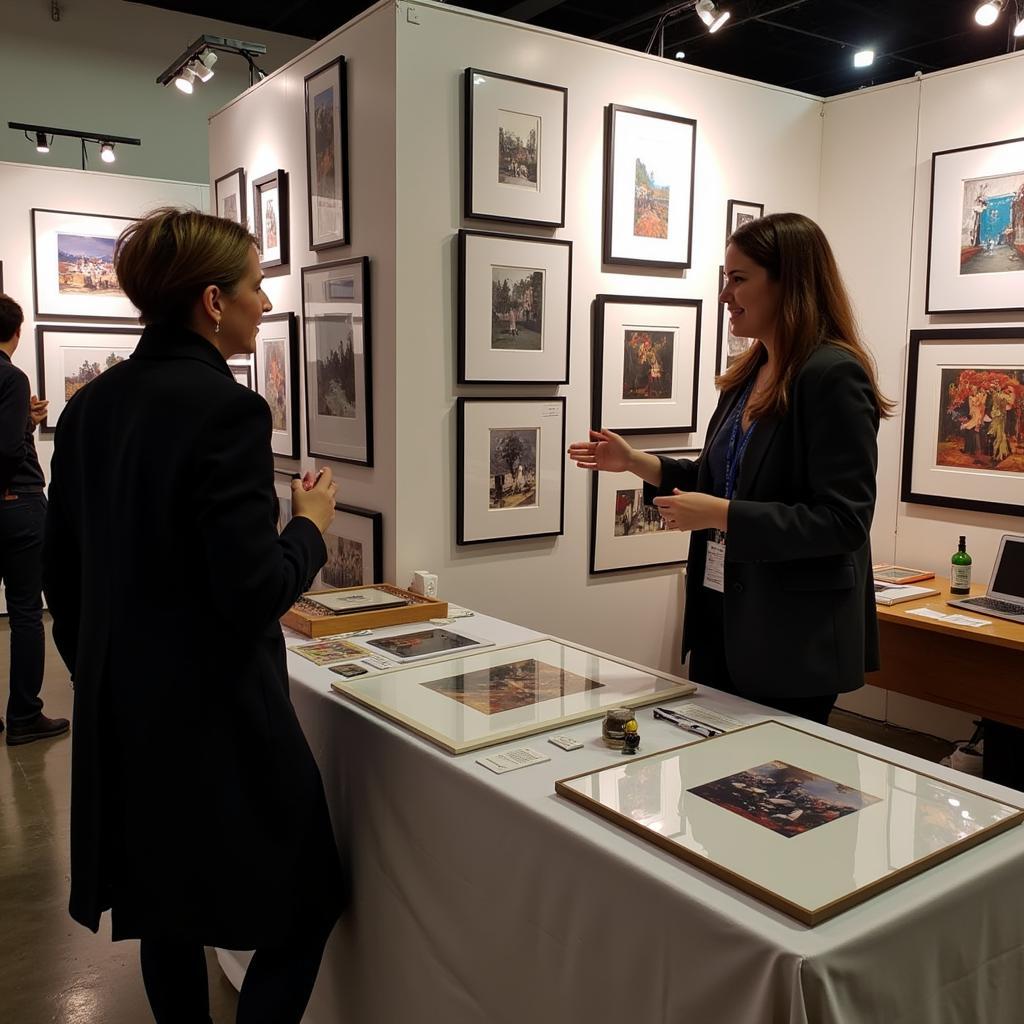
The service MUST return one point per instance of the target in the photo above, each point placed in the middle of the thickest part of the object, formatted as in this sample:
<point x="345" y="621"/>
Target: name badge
<point x="714" y="566"/>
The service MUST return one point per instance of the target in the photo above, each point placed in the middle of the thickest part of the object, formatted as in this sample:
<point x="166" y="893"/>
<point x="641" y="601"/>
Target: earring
<point x="216" y="329"/>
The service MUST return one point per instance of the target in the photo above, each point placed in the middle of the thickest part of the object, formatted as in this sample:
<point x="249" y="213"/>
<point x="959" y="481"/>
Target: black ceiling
<point x="802" y="44"/>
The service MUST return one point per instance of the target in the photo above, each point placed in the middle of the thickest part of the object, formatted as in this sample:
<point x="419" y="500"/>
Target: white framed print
<point x="976" y="230"/>
<point x="626" y="534"/>
<point x="728" y="347"/>
<point x="648" y="188"/>
<point x="243" y="369"/>
<point x="510" y="468"/>
<point x="645" y="359"/>
<point x="355" y="549"/>
<point x="277" y="379"/>
<point x="73" y="266"/>
<point x="229" y="197"/>
<point x="270" y="218"/>
<point x="326" y="98"/>
<point x="514" y="309"/>
<point x="515" y="146"/>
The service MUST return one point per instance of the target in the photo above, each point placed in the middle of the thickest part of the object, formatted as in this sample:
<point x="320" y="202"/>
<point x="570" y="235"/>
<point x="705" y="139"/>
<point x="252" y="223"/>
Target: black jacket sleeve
<point x="681" y="473"/>
<point x="14" y="409"/>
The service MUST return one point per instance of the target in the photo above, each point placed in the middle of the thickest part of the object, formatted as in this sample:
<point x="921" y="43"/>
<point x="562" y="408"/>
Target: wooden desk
<point x="978" y="669"/>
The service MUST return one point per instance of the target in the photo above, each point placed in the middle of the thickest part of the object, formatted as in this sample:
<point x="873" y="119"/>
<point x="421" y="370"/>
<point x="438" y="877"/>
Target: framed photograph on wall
<point x="327" y="155"/>
<point x="229" y="197"/>
<point x="514" y="309"/>
<point x="646" y="355"/>
<point x="510" y="464"/>
<point x="648" y="187"/>
<point x="277" y="379"/>
<point x="355" y="549"/>
<point x="963" y="443"/>
<point x="283" y="495"/>
<point x="976" y="230"/>
<point x="728" y="347"/>
<point x="739" y="213"/>
<point x="627" y="534"/>
<point x="243" y="369"/>
<point x="270" y="218"/>
<point x="73" y="266"/>
<point x="337" y="346"/>
<point x="69" y="357"/>
<point x="515" y="145"/>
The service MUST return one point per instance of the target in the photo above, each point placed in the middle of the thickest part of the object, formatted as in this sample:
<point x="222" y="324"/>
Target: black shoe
<point x="38" y="728"/>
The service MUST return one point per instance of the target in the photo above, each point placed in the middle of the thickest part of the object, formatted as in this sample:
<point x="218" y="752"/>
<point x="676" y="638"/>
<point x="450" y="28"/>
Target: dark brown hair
<point x="166" y="260"/>
<point x="11" y="318"/>
<point x="814" y="307"/>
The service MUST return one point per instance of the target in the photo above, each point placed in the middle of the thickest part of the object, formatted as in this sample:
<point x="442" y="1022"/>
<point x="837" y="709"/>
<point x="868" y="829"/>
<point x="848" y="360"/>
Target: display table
<point x="485" y="899"/>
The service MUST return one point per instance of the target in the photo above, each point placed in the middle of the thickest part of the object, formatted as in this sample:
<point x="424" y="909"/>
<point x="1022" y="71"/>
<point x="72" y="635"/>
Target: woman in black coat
<point x="779" y="593"/>
<point x="198" y="815"/>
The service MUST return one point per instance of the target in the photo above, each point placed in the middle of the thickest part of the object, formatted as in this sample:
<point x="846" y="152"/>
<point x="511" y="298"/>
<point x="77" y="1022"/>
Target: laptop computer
<point x="1005" y="597"/>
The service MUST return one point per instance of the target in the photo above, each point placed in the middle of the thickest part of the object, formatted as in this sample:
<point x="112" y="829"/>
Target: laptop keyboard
<point x="995" y="605"/>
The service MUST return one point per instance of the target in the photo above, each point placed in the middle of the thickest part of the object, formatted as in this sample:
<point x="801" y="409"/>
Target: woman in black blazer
<point x="198" y="815"/>
<point x="779" y="593"/>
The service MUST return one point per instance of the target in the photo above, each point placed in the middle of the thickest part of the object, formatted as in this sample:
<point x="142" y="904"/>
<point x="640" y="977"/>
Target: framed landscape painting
<point x="229" y="197"/>
<point x="728" y="348"/>
<point x="355" y="549"/>
<point x="514" y="309"/>
<point x="515" y="139"/>
<point x="277" y="379"/>
<point x="73" y="266"/>
<point x="510" y="465"/>
<point x="976" y="230"/>
<point x="648" y="188"/>
<point x="327" y="155"/>
<point x="739" y="213"/>
<point x="646" y="355"/>
<point x="337" y="347"/>
<point x="270" y="218"/>
<point x="69" y="357"/>
<point x="963" y="443"/>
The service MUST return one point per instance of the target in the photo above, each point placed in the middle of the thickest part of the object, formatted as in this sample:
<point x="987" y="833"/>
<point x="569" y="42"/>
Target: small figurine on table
<point x="630" y="737"/>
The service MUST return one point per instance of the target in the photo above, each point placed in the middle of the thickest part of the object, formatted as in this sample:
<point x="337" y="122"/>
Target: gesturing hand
<point x="37" y="409"/>
<point x="316" y="503"/>
<point x="693" y="511"/>
<point x="605" y="450"/>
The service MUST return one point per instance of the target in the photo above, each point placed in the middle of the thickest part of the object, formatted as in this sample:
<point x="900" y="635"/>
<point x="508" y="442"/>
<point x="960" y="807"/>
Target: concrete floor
<point x="52" y="969"/>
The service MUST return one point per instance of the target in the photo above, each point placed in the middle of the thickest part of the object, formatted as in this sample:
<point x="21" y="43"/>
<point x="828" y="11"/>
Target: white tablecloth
<point x="487" y="899"/>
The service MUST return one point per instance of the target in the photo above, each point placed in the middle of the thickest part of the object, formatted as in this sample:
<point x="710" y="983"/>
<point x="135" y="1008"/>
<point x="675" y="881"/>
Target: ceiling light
<point x="202" y="66"/>
<point x="186" y="76"/>
<point x="987" y="13"/>
<point x="863" y="58"/>
<point x="42" y="146"/>
<point x="708" y="12"/>
<point x="1019" y="28"/>
<point x="680" y="55"/>
<point x="107" y="154"/>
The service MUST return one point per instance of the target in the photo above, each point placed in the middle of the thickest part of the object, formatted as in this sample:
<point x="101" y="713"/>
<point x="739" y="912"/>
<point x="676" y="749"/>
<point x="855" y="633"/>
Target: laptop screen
<point x="1009" y="574"/>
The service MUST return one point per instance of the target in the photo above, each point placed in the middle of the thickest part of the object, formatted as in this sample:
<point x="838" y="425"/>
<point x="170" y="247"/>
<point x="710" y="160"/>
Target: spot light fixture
<point x="987" y="13"/>
<point x="863" y="58"/>
<point x="196" y="61"/>
<point x="42" y="146"/>
<point x="1018" y="29"/>
<point x="710" y="13"/>
<point x="38" y="133"/>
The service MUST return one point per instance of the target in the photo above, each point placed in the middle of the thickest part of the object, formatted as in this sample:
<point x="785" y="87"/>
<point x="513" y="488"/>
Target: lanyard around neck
<point x="737" y="444"/>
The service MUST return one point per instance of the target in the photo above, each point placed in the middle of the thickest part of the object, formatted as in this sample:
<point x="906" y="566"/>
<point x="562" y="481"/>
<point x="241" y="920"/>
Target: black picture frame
<point x="952" y="477"/>
<point x="546" y="211"/>
<point x="686" y="411"/>
<point x="326" y="579"/>
<point x="276" y="180"/>
<point x="733" y="208"/>
<point x="724" y="334"/>
<point x="613" y="245"/>
<point x="285" y="443"/>
<point x="335" y="72"/>
<point x="237" y="178"/>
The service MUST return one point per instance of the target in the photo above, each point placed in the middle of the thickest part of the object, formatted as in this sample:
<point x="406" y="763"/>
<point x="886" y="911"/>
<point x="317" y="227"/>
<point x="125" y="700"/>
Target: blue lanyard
<point x="734" y="454"/>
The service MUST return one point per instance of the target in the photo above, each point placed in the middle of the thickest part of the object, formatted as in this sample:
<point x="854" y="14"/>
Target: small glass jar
<point x="611" y="729"/>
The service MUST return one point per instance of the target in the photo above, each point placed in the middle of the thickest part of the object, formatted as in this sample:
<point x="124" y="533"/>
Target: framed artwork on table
<point x="277" y="379"/>
<point x="963" y="442"/>
<point x="976" y="230"/>
<point x="646" y="355"/>
<point x="73" y="266"/>
<point x="355" y="549"/>
<point x="424" y="643"/>
<point x="515" y="146"/>
<point x="229" y="197"/>
<point x="327" y="155"/>
<point x="510" y="465"/>
<point x="337" y="346"/>
<point x="728" y="348"/>
<point x="790" y="818"/>
<point x="476" y="700"/>
<point x="270" y="218"/>
<point x="69" y="357"/>
<point x="243" y="369"/>
<point x="514" y="309"/>
<point x="648" y="188"/>
<point x="625" y="533"/>
<point x="739" y="213"/>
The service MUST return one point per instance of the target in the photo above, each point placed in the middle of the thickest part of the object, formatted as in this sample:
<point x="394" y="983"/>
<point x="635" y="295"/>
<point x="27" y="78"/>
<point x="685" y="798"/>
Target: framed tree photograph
<point x="515" y="146"/>
<point x="728" y="348"/>
<point x="514" y="309"/>
<point x="229" y="197"/>
<point x="355" y="549"/>
<point x="976" y="230"/>
<point x="627" y="534"/>
<point x="73" y="266"/>
<point x="510" y="464"/>
<point x="270" y="218"/>
<point x="963" y="441"/>
<point x="69" y="357"/>
<point x="648" y="188"/>
<point x="327" y="155"/>
<point x="739" y="213"/>
<point x="646" y="355"/>
<point x="277" y="379"/>
<point x="337" y="347"/>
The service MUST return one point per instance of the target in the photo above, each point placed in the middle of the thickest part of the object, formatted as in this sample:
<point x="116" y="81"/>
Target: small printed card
<point x="521" y="757"/>
<point x="327" y="652"/>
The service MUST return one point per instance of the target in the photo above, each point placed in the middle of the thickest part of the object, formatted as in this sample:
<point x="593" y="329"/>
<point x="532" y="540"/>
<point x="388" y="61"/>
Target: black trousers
<point x="21" y="568"/>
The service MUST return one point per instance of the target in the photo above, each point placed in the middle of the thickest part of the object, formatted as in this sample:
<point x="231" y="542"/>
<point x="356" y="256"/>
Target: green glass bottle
<point x="960" y="570"/>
